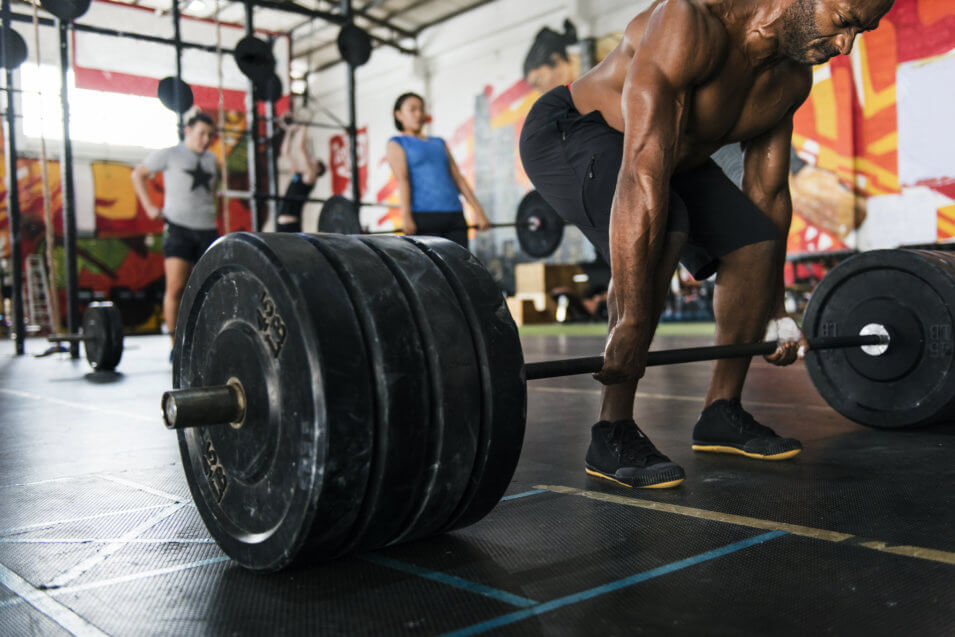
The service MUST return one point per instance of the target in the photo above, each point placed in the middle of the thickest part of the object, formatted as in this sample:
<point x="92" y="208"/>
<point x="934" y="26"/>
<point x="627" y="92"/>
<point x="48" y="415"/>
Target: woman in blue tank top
<point x="429" y="181"/>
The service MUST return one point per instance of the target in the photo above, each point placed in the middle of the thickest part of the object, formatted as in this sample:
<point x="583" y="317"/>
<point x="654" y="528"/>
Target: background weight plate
<point x="543" y="241"/>
<point x="912" y="293"/>
<point x="339" y="216"/>
<point x="103" y="336"/>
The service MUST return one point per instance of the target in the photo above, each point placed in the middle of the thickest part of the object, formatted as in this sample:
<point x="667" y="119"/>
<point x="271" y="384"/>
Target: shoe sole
<point x="786" y="455"/>
<point x="659" y="485"/>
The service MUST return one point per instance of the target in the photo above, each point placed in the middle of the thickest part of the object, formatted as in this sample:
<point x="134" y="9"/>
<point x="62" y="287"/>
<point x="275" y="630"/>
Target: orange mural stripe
<point x="824" y="101"/>
<point x="847" y="168"/>
<point x="932" y="11"/>
<point x="946" y="229"/>
<point x="885" y="145"/>
<point x="872" y="101"/>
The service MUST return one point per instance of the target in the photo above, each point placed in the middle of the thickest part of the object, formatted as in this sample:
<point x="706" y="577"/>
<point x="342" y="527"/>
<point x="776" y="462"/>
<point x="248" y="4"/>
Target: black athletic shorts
<point x="574" y="159"/>
<point x="450" y="225"/>
<point x="185" y="243"/>
<point x="293" y="203"/>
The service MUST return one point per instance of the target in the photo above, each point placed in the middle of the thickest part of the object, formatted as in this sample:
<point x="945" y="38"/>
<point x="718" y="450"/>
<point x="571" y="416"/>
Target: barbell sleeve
<point x="593" y="364"/>
<point x="204" y="406"/>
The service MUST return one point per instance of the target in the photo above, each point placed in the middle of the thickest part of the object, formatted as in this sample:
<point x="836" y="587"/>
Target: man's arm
<point x="766" y="167"/>
<point x="480" y="217"/>
<point x="766" y="164"/>
<point x="680" y="48"/>
<point x="140" y="174"/>
<point x="395" y="155"/>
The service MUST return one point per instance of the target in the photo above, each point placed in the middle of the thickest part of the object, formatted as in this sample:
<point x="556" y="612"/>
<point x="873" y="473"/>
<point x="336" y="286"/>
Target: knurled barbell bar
<point x="540" y="229"/>
<point x="338" y="394"/>
<point x="101" y="336"/>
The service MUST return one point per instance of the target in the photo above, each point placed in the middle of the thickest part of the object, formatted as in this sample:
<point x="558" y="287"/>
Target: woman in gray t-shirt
<point x="189" y="205"/>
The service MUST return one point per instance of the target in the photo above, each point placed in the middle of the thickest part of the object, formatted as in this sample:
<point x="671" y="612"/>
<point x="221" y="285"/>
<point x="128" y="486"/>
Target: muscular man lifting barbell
<point x="623" y="153"/>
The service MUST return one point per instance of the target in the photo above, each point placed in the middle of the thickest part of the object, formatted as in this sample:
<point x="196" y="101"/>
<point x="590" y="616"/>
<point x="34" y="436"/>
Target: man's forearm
<point x="142" y="192"/>
<point x="404" y="196"/>
<point x="465" y="189"/>
<point x="637" y="226"/>
<point x="779" y="208"/>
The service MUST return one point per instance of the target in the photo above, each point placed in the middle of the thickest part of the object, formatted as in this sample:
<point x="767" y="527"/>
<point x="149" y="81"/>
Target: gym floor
<point x="855" y="536"/>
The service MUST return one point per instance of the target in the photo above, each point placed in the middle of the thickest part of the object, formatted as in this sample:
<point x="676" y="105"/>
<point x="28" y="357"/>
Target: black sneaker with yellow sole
<point x="725" y="427"/>
<point x="621" y="453"/>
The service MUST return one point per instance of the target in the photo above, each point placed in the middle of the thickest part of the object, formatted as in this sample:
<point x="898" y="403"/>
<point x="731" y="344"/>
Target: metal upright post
<point x="271" y="160"/>
<point x="69" y="194"/>
<point x="346" y="9"/>
<point x="177" y="43"/>
<point x="13" y="197"/>
<point x="252" y="119"/>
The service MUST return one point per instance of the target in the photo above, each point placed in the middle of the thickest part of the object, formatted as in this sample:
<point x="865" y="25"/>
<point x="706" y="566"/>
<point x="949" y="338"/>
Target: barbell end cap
<point x="169" y="410"/>
<point x="885" y="339"/>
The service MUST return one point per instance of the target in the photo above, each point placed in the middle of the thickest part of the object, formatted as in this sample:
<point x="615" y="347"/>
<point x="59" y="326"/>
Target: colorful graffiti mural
<point x="121" y="255"/>
<point x="855" y="136"/>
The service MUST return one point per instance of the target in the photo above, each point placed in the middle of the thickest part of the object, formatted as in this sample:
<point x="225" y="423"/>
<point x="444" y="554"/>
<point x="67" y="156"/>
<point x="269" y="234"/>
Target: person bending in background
<point x="307" y="171"/>
<point x="548" y="64"/>
<point x="428" y="178"/>
<point x="189" y="207"/>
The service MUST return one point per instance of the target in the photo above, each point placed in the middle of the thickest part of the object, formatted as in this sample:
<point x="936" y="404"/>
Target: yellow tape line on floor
<point x="934" y="555"/>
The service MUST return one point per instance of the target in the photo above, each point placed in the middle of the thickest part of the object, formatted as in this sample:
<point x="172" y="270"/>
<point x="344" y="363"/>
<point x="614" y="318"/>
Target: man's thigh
<point x="722" y="219"/>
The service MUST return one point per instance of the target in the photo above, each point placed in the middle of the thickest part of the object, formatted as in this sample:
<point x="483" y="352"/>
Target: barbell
<point x="337" y="394"/>
<point x="101" y="335"/>
<point x="540" y="229"/>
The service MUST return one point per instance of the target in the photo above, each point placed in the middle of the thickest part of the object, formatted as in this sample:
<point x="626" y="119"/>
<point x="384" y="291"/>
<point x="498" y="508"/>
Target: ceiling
<point x="393" y="23"/>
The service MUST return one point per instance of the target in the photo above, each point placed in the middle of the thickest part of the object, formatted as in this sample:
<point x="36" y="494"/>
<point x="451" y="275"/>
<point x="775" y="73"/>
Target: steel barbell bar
<point x="226" y="404"/>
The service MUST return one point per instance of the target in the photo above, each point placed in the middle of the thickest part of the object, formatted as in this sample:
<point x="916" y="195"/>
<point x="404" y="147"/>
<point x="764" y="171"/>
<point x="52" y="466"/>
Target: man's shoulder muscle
<point x="681" y="37"/>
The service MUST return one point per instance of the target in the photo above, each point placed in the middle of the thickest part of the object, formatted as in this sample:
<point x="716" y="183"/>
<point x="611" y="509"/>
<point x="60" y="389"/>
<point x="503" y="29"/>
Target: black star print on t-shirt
<point x="200" y="178"/>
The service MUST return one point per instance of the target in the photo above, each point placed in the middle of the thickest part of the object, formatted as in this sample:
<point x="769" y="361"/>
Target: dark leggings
<point x="450" y="225"/>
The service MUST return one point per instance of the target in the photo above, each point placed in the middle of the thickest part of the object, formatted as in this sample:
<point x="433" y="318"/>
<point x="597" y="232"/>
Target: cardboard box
<point x="526" y="312"/>
<point x="540" y="279"/>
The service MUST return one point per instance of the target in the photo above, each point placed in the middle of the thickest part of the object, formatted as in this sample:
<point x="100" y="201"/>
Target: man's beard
<point x="799" y="29"/>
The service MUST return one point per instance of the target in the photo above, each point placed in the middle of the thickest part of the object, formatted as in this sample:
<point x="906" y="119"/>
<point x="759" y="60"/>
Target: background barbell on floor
<point x="102" y="336"/>
<point x="383" y="388"/>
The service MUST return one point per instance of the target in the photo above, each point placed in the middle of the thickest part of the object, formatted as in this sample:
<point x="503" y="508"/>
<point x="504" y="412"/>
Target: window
<point x="96" y="117"/>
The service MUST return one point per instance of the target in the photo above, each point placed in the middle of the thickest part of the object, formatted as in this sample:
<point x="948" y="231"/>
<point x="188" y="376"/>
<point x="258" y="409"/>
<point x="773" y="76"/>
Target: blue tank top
<point x="432" y="188"/>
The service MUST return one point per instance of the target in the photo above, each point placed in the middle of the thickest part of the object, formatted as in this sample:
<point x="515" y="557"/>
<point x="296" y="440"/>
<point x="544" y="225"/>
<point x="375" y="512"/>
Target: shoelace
<point x="633" y="446"/>
<point x="744" y="421"/>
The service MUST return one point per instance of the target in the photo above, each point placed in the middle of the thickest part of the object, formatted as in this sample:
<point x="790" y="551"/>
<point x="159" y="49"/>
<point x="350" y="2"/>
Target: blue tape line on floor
<point x="547" y="607"/>
<point x="522" y="495"/>
<point x="451" y="580"/>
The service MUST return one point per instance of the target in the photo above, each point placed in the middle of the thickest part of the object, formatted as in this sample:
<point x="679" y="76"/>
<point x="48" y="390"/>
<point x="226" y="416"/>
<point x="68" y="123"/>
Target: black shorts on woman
<point x="574" y="159"/>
